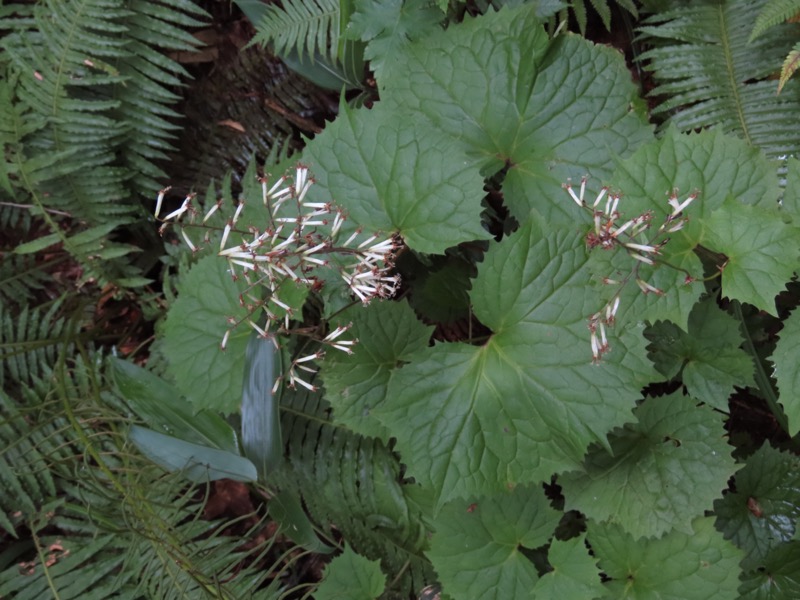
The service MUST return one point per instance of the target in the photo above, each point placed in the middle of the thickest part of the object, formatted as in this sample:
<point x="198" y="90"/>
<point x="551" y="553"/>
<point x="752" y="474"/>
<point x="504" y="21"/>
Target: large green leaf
<point x="678" y="566"/>
<point x="392" y="174"/>
<point x="763" y="511"/>
<point x="715" y="166"/>
<point x="663" y="471"/>
<point x="475" y="419"/>
<point x="388" y="333"/>
<point x="549" y="110"/>
<point x="478" y="547"/>
<point x="164" y="410"/>
<point x="193" y="332"/>
<point x="777" y="579"/>
<point x="787" y="370"/>
<point x="708" y="358"/>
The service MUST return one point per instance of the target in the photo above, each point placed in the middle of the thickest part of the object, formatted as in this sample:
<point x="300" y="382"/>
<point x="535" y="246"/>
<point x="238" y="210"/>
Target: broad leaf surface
<point x="791" y="193"/>
<point x="549" y="109"/>
<point x="777" y="579"/>
<point x="474" y="419"/>
<point x="665" y="469"/>
<point x="393" y="174"/>
<point x="708" y="358"/>
<point x="351" y="576"/>
<point x="762" y="252"/>
<point x="762" y="513"/>
<point x="787" y="370"/>
<point x="716" y="167"/>
<point x="195" y="324"/>
<point x="677" y="566"/>
<point x="388" y="333"/>
<point x="574" y="575"/>
<point x="477" y="545"/>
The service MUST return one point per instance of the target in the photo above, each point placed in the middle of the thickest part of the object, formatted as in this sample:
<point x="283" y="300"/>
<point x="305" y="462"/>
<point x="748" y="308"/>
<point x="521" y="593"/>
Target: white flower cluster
<point x="631" y="235"/>
<point x="295" y="238"/>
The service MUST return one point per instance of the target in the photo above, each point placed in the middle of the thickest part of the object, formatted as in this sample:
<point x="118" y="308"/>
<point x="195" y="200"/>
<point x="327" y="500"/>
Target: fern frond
<point x="307" y="27"/>
<point x="20" y="278"/>
<point x="355" y="483"/>
<point x="602" y="8"/>
<point x="30" y="340"/>
<point x="790" y="65"/>
<point x="774" y="13"/>
<point x="709" y="75"/>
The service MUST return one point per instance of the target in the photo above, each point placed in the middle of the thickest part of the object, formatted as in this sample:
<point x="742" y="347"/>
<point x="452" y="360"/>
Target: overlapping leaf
<point x="777" y="579"/>
<point x="715" y="166"/>
<point x="677" y="566"/>
<point x="663" y="471"/>
<point x="574" y="575"/>
<point x="708" y="358"/>
<point x="477" y="547"/>
<point x="388" y="333"/>
<point x="548" y="109"/>
<point x="763" y="511"/>
<point x="392" y="174"/>
<point x="196" y="322"/>
<point x="353" y="576"/>
<point x="787" y="370"/>
<point x="474" y="419"/>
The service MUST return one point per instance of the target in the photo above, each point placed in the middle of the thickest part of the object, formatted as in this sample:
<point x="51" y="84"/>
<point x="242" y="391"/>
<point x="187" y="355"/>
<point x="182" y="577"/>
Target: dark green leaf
<point x="574" y="575"/>
<point x="777" y="579"/>
<point x="351" y="576"/>
<point x="287" y="510"/>
<point x="477" y="549"/>
<point x="787" y="370"/>
<point x="663" y="471"/>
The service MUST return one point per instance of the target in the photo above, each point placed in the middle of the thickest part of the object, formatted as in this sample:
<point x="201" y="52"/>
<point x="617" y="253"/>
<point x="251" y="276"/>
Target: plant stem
<point x="761" y="377"/>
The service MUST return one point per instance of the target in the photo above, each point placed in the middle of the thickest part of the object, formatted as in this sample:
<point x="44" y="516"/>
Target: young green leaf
<point x="196" y="463"/>
<point x="678" y="566"/>
<point x="351" y="576"/>
<point x="763" y="511"/>
<point x="164" y="410"/>
<point x="478" y="546"/>
<point x="193" y="332"/>
<point x="574" y="575"/>
<point x="388" y="334"/>
<point x="661" y="473"/>
<point x="475" y="419"/>
<point x="787" y="370"/>
<point x="709" y="358"/>
<point x="762" y="252"/>
<point x="392" y="174"/>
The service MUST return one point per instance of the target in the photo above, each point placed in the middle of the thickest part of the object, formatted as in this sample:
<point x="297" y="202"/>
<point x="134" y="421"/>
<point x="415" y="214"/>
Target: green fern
<point x="603" y="10"/>
<point x="356" y="484"/>
<point x="85" y="116"/>
<point x="307" y="27"/>
<point x="708" y="75"/>
<point x="790" y="66"/>
<point x="774" y="13"/>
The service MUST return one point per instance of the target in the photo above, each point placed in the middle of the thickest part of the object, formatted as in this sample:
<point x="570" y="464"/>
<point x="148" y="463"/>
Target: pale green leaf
<point x="574" y="575"/>
<point x="194" y="462"/>
<point x="478" y="545"/>
<point x="164" y="410"/>
<point x="708" y="359"/>
<point x="388" y="334"/>
<point x="762" y="512"/>
<point x="351" y="576"/>
<point x="193" y="332"/>
<point x="787" y="370"/>
<point x="762" y="252"/>
<point x="663" y="471"/>
<point x="547" y="109"/>
<point x="395" y="175"/>
<point x="528" y="402"/>
<point x="678" y="566"/>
